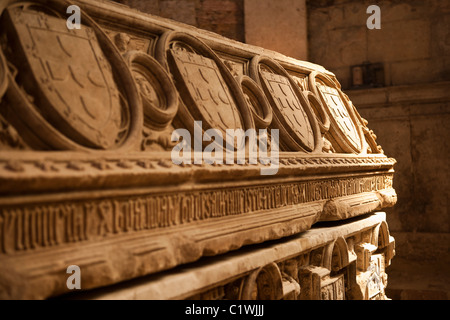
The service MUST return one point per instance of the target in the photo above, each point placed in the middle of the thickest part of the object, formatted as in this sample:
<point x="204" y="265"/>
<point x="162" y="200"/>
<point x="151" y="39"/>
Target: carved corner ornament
<point x="86" y="131"/>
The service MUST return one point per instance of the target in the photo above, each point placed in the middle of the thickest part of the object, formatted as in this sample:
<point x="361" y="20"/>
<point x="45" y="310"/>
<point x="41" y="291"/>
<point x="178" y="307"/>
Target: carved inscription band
<point x="47" y="225"/>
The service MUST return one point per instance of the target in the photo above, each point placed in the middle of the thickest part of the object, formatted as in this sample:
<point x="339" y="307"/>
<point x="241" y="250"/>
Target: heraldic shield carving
<point x="208" y="90"/>
<point x="214" y="101"/>
<point x="70" y="84"/>
<point x="344" y="134"/>
<point x="292" y="113"/>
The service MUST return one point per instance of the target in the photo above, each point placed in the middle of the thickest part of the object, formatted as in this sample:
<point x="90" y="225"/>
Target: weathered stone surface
<point x="87" y="176"/>
<point x="337" y="262"/>
<point x="412" y="44"/>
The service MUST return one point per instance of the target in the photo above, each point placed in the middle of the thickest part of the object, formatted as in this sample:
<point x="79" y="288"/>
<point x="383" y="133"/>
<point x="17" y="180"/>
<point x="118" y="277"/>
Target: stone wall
<point x="278" y="25"/>
<point x="410" y="116"/>
<point x="225" y="17"/>
<point x="249" y="21"/>
<point x="411" y="123"/>
<point x="413" y="43"/>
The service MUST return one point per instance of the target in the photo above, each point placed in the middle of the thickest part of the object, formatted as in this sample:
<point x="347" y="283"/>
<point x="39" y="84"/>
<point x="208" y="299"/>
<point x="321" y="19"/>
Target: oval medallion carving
<point x="158" y="93"/>
<point x="257" y="102"/>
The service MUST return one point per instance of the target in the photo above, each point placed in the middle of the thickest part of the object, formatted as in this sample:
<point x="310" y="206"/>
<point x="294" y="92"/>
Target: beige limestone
<point x="305" y="260"/>
<point x="86" y="173"/>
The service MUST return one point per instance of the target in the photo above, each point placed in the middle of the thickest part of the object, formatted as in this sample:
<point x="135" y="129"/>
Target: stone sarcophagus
<point x="131" y="144"/>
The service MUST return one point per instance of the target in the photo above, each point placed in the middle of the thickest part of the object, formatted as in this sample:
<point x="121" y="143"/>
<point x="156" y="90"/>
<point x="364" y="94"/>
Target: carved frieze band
<point x="28" y="227"/>
<point x="94" y="89"/>
<point x="54" y="166"/>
